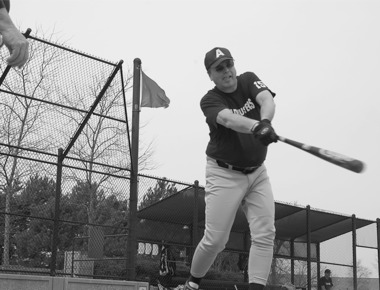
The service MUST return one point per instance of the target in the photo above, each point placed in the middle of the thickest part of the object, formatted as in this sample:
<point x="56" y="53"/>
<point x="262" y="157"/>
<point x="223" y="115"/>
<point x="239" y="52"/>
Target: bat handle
<point x="282" y="139"/>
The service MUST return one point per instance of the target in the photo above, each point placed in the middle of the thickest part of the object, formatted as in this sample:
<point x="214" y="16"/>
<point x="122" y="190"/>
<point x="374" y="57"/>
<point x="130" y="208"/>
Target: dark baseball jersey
<point x="327" y="282"/>
<point x="238" y="149"/>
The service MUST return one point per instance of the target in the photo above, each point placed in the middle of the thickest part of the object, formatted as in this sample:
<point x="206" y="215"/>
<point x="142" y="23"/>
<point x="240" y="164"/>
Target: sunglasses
<point x="223" y="65"/>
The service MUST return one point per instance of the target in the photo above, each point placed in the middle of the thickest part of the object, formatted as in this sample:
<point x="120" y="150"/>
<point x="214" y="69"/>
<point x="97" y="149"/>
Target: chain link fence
<point x="65" y="100"/>
<point x="65" y="185"/>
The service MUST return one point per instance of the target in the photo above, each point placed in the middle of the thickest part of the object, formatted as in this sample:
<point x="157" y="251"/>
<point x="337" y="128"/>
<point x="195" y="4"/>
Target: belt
<point x="245" y="170"/>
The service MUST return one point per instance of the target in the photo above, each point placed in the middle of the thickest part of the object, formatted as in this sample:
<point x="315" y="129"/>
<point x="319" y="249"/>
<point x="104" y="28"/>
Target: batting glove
<point x="265" y="132"/>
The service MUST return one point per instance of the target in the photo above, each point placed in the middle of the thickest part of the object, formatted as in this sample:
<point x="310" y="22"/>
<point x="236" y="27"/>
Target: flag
<point x="152" y="95"/>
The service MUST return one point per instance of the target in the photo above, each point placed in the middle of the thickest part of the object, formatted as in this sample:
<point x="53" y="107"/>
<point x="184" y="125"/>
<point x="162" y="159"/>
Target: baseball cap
<point x="216" y="56"/>
<point x="327" y="271"/>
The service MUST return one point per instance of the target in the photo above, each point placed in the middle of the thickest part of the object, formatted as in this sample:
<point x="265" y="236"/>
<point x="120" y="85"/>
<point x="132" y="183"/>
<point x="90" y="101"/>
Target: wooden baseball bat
<point x="349" y="163"/>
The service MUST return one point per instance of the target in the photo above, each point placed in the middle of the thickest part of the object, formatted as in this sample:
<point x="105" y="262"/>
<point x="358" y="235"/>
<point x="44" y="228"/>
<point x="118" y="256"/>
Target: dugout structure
<point x="66" y="184"/>
<point x="307" y="242"/>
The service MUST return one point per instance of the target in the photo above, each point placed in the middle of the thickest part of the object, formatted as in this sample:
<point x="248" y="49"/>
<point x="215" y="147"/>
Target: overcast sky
<point x="322" y="58"/>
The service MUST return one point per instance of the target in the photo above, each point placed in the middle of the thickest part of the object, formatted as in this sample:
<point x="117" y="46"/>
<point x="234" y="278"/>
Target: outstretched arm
<point x="243" y="124"/>
<point x="13" y="39"/>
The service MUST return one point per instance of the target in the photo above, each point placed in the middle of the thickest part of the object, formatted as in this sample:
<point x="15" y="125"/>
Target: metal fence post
<point x="308" y="239"/>
<point x="318" y="261"/>
<point x="292" y="261"/>
<point x="72" y="258"/>
<point x="53" y="262"/>
<point x="133" y="195"/>
<point x="354" y="266"/>
<point x="378" y="248"/>
<point x="195" y="214"/>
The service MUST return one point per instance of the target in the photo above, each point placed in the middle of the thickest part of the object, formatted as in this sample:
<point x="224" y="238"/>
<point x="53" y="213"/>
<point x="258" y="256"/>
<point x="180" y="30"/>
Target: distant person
<point x="325" y="282"/>
<point x="12" y="38"/>
<point x="167" y="267"/>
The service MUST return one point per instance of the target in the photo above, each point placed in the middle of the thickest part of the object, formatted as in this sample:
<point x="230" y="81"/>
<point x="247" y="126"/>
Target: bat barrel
<point x="341" y="160"/>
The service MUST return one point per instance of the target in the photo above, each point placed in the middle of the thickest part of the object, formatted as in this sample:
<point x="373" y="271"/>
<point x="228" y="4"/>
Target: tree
<point x="110" y="214"/>
<point x="281" y="265"/>
<point x="22" y="120"/>
<point x="363" y="273"/>
<point x="162" y="189"/>
<point x="31" y="235"/>
<point x="103" y="143"/>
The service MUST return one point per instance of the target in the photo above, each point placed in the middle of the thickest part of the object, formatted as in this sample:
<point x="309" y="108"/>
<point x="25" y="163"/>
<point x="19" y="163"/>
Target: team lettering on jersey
<point x="248" y="106"/>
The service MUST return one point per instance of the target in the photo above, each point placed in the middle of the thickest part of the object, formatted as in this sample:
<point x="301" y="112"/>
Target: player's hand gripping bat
<point x="330" y="156"/>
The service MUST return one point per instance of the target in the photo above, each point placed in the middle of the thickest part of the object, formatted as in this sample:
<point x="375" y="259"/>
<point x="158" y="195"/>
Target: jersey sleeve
<point x="211" y="105"/>
<point x="255" y="84"/>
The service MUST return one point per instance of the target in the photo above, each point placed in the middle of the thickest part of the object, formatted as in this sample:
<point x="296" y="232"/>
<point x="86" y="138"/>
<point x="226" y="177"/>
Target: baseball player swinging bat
<point x="330" y="156"/>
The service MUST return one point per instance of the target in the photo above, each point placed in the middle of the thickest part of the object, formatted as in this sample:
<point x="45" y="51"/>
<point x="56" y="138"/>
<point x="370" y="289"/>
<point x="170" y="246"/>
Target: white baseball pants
<point x="225" y="190"/>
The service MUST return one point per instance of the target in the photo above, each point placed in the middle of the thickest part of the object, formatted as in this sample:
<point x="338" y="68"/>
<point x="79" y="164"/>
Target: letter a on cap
<point x="218" y="53"/>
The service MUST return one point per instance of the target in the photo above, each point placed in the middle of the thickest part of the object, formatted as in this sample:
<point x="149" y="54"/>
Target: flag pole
<point x="132" y="225"/>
